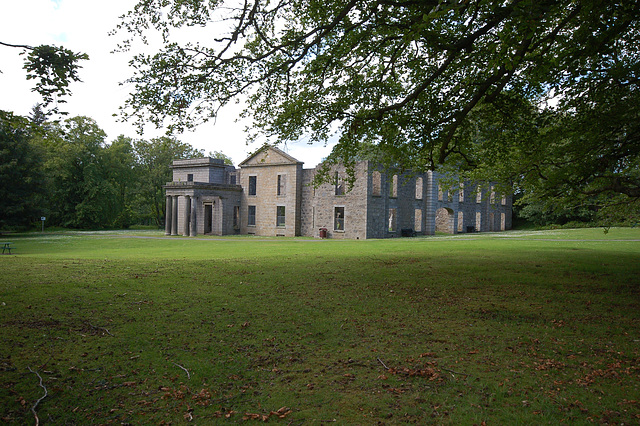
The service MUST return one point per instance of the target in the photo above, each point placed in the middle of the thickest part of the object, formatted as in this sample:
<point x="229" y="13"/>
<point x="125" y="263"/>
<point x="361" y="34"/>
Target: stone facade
<point x="274" y="197"/>
<point x="203" y="198"/>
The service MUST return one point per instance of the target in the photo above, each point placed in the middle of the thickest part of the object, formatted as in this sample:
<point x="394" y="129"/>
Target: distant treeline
<point x="69" y="173"/>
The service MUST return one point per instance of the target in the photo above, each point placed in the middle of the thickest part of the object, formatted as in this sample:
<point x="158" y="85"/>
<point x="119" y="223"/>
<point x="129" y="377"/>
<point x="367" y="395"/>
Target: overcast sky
<point x="83" y="26"/>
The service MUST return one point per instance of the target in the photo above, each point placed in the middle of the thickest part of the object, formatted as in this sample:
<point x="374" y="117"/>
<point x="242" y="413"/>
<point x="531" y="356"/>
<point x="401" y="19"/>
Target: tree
<point x="221" y="156"/>
<point x="53" y="68"/>
<point x="20" y="172"/>
<point x="408" y="76"/>
<point x="123" y="175"/>
<point x="154" y="159"/>
<point x="81" y="193"/>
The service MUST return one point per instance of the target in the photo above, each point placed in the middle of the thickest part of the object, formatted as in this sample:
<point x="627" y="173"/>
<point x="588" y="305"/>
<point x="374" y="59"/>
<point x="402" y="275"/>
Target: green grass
<point x="506" y="328"/>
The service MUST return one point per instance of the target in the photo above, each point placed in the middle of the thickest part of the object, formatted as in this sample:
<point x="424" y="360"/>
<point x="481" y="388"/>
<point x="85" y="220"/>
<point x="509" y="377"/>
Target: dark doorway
<point x="208" y="215"/>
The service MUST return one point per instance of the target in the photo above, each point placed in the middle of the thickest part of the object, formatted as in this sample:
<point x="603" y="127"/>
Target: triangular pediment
<point x="269" y="155"/>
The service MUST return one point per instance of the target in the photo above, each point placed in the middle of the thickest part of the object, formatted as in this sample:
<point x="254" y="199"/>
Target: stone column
<point x="194" y="227"/>
<point x="430" y="198"/>
<point x="187" y="214"/>
<point x="174" y="216"/>
<point x="168" y="217"/>
<point x="453" y="222"/>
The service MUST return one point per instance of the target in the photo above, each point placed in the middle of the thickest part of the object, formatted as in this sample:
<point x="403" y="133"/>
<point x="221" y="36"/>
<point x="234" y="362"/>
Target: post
<point x="43" y="219"/>
<point x="168" y="216"/>
<point x="194" y="227"/>
<point x="174" y="216"/>
<point x="187" y="215"/>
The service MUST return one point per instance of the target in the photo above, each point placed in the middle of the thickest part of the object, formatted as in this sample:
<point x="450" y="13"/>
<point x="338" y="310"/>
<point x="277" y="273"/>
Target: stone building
<point x="271" y="195"/>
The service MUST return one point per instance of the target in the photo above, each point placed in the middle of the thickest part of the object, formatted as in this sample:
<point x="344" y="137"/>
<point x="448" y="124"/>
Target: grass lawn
<point x="505" y="328"/>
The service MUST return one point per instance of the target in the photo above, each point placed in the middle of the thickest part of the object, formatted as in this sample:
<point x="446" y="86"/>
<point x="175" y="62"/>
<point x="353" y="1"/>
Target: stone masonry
<point x="271" y="195"/>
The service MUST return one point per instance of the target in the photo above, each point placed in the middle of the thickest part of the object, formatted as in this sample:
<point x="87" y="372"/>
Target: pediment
<point x="269" y="155"/>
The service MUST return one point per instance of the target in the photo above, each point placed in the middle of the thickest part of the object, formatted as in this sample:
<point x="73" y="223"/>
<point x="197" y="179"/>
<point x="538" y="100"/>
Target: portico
<point x="195" y="207"/>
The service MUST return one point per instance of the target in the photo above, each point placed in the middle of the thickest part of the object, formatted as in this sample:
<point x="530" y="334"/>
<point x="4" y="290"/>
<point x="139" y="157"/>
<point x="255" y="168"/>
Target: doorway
<point x="208" y="216"/>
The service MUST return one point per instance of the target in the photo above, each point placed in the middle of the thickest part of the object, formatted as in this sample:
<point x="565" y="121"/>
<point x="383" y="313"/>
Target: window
<point x="419" y="188"/>
<point x="417" y="223"/>
<point x="282" y="184"/>
<point x="236" y="217"/>
<point x="376" y="183"/>
<point x="461" y="194"/>
<point x="339" y="184"/>
<point x="393" y="186"/>
<point x="440" y="194"/>
<point x="493" y="195"/>
<point x="253" y="182"/>
<point x="280" y="216"/>
<point x="478" y="195"/>
<point x="251" y="216"/>
<point x="392" y="220"/>
<point x="190" y="177"/>
<point x="338" y="219"/>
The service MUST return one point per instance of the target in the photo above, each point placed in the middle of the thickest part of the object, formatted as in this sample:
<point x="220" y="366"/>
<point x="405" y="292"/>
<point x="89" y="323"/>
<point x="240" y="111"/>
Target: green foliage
<point x="536" y="329"/>
<point x="53" y="68"/>
<point x="154" y="159"/>
<point x="221" y="156"/>
<point x="430" y="83"/>
<point x="80" y="191"/>
<point x="67" y="172"/>
<point x="20" y="172"/>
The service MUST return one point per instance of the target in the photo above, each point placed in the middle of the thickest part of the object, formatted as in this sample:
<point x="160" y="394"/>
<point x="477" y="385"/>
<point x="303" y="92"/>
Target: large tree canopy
<point x="424" y="81"/>
<point x="53" y="68"/>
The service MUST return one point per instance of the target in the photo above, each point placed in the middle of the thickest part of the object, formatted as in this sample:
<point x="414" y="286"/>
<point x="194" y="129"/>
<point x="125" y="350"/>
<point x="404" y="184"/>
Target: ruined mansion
<point x="270" y="194"/>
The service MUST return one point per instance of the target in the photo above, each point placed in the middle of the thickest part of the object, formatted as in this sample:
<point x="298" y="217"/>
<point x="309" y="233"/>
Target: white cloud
<point x="83" y="26"/>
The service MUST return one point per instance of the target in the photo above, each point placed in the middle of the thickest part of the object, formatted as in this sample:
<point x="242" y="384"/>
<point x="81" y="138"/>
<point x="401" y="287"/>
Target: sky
<point x="84" y="26"/>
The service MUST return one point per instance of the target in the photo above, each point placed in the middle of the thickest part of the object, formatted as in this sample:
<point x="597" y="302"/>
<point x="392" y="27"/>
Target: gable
<point x="269" y="155"/>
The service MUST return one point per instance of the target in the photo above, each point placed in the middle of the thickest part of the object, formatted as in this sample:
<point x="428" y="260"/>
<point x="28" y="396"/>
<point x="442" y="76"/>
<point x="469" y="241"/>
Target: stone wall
<point x="269" y="171"/>
<point x="381" y="204"/>
<point x="319" y="204"/>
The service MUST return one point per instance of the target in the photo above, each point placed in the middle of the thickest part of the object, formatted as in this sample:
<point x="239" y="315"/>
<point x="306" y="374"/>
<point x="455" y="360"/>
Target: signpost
<point x="43" y="219"/>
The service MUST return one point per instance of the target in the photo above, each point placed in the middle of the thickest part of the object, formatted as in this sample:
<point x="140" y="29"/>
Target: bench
<point x="6" y="247"/>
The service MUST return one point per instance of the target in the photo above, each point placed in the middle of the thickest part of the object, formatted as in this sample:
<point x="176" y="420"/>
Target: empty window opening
<point x="280" y="216"/>
<point x="503" y="222"/>
<point x="478" y="221"/>
<point x="492" y="199"/>
<point x="440" y="194"/>
<point x="460" y="221"/>
<point x="417" y="222"/>
<point x="461" y="193"/>
<point x="190" y="177"/>
<point x="393" y="186"/>
<point x="339" y="184"/>
<point x="253" y="183"/>
<point x="338" y="219"/>
<point x="478" y="194"/>
<point x="376" y="184"/>
<point x="392" y="220"/>
<point x="251" y="216"/>
<point x="282" y="184"/>
<point x="419" y="188"/>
